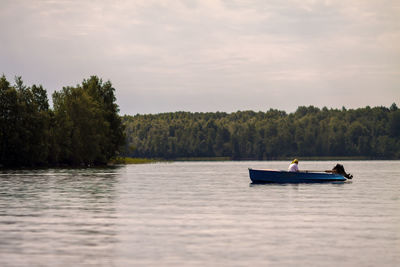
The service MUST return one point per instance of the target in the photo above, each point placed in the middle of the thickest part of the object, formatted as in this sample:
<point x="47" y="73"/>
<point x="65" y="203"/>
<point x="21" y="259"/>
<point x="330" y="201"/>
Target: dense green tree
<point x="104" y="95"/>
<point x="394" y="124"/>
<point x="24" y="120"/>
<point x="36" y="122"/>
<point x="83" y="129"/>
<point x="88" y="128"/>
<point x="8" y="122"/>
<point x="80" y="128"/>
<point x="310" y="131"/>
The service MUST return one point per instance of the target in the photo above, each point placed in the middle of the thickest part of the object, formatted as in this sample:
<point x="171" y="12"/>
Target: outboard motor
<point x="339" y="169"/>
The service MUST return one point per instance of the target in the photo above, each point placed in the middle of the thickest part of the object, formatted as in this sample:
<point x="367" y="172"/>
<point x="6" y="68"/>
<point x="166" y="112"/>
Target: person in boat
<point x="339" y="169"/>
<point x="294" y="166"/>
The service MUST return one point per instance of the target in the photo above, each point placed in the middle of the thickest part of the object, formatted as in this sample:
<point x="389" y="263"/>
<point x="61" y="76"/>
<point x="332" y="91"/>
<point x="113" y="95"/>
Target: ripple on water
<point x="199" y="213"/>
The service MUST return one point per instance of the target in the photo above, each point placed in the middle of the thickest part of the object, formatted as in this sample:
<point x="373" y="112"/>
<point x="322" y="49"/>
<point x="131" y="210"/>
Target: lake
<point x="199" y="214"/>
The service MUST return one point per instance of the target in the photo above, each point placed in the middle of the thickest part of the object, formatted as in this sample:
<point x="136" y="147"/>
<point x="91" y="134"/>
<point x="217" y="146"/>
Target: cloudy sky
<point x="209" y="55"/>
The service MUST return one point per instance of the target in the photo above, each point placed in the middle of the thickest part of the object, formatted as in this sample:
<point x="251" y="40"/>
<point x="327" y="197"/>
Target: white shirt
<point x="293" y="167"/>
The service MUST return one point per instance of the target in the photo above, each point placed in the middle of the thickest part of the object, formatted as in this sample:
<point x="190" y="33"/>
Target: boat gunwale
<point x="294" y="177"/>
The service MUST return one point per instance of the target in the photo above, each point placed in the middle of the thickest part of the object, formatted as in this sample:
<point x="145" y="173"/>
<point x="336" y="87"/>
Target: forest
<point x="366" y="133"/>
<point x="82" y="129"/>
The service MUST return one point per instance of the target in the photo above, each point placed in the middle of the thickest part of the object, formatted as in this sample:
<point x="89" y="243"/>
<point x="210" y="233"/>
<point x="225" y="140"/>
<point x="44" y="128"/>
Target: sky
<point x="209" y="55"/>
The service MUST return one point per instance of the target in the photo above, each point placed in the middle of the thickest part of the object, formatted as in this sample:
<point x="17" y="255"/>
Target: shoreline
<point x="129" y="161"/>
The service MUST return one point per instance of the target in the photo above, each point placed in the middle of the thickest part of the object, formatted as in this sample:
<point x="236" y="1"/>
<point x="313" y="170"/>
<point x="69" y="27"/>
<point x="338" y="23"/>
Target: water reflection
<point x="298" y="184"/>
<point x="203" y="213"/>
<point x="56" y="214"/>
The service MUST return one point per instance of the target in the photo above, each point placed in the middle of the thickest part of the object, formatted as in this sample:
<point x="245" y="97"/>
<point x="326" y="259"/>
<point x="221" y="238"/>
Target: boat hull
<point x="272" y="176"/>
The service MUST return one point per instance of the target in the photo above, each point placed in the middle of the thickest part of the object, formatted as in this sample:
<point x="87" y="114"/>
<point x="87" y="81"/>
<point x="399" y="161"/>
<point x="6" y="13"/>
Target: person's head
<point x="295" y="161"/>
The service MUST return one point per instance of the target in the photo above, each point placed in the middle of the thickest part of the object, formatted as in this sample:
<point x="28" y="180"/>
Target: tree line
<point x="83" y="128"/>
<point x="307" y="132"/>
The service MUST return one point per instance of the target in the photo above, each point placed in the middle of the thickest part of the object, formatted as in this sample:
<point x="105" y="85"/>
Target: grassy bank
<point x="128" y="160"/>
<point x="203" y="159"/>
<point x="315" y="158"/>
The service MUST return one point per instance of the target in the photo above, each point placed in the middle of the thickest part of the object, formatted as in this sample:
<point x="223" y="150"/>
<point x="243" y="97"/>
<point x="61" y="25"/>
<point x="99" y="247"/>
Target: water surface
<point x="199" y="214"/>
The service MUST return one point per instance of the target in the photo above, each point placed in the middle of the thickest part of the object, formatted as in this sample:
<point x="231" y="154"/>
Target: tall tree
<point x="8" y="123"/>
<point x="89" y="129"/>
<point x="24" y="119"/>
<point x="104" y="95"/>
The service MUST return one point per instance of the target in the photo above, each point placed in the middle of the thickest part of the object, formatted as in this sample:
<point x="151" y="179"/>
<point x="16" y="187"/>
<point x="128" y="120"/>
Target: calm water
<point x="199" y="214"/>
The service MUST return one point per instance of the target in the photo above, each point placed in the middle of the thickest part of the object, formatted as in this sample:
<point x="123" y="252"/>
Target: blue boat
<point x="276" y="176"/>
